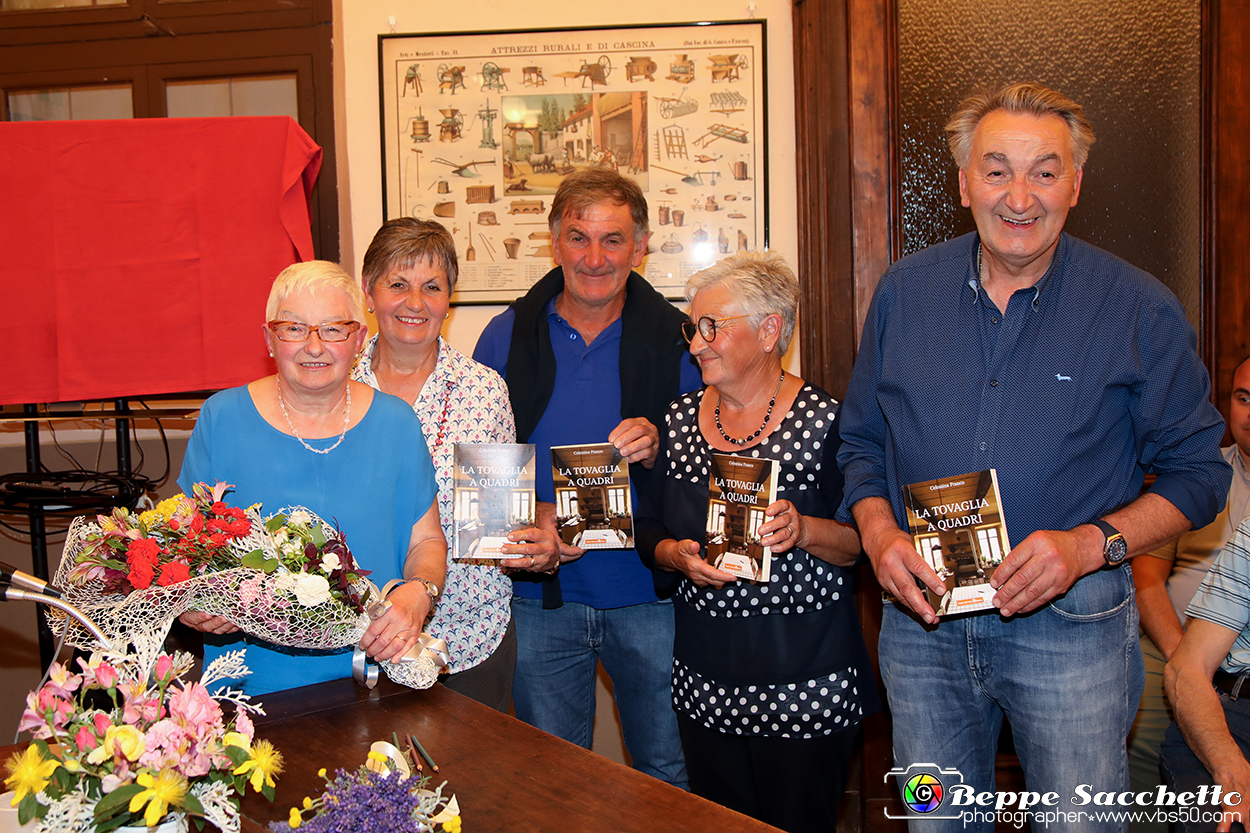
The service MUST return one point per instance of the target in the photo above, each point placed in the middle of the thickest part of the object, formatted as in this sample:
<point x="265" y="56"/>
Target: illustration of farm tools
<point x="671" y="108"/>
<point x="465" y="169"/>
<point x="450" y="128"/>
<point x="695" y="178"/>
<point x="596" y="72"/>
<point x="420" y="127"/>
<point x="721" y="131"/>
<point x="450" y="79"/>
<point x="728" y="102"/>
<point x="492" y="77"/>
<point x="726" y="67"/>
<point x="487" y="116"/>
<point x="681" y="69"/>
<point x="640" y="66"/>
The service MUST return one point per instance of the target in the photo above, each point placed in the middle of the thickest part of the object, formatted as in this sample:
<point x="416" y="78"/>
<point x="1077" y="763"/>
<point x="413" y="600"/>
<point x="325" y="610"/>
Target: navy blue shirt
<point x="585" y="406"/>
<point x="1087" y="381"/>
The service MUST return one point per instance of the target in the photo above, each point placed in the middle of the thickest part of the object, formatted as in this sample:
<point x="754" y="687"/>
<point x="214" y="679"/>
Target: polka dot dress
<point x="800" y="584"/>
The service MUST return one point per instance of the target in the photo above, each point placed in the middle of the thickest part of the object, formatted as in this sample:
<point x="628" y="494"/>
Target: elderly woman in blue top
<point x="310" y="436"/>
<point x="770" y="680"/>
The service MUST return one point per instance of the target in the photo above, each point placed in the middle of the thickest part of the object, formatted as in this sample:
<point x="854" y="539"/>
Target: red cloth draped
<point x="136" y="255"/>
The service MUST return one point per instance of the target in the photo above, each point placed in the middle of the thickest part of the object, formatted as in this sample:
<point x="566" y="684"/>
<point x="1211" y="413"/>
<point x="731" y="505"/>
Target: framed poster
<point x="479" y="129"/>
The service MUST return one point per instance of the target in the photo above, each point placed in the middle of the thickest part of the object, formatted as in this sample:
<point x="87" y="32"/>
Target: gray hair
<point x="1022" y="98"/>
<point x="763" y="284"/>
<point x="402" y="243"/>
<point x="314" y="276"/>
<point x="590" y="186"/>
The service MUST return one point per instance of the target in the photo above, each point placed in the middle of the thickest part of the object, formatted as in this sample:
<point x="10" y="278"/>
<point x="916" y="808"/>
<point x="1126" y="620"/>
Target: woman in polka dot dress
<point x="770" y="681"/>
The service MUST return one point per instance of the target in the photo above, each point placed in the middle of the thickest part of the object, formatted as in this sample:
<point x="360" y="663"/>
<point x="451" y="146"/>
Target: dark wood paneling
<point x="1227" y="178"/>
<point x="825" y="259"/>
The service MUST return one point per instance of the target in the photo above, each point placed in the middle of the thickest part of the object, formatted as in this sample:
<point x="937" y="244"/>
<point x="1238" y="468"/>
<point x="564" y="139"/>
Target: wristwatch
<point x="1115" y="549"/>
<point x="431" y="589"/>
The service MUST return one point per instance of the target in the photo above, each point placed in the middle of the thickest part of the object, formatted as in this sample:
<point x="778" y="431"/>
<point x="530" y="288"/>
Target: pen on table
<point x="416" y="756"/>
<point x="433" y="765"/>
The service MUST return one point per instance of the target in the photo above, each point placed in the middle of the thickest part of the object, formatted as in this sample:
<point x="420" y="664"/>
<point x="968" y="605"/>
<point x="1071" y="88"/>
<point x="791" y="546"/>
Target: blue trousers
<point x="1068" y="677"/>
<point x="554" y="686"/>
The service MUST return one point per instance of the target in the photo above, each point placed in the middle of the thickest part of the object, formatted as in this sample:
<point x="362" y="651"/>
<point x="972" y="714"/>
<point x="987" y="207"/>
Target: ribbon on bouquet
<point x="428" y="648"/>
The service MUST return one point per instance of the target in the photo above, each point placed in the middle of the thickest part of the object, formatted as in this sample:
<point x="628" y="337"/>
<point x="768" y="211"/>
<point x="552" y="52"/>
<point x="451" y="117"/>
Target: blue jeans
<point x="1068" y="677"/>
<point x="1183" y="772"/>
<point x="554" y="687"/>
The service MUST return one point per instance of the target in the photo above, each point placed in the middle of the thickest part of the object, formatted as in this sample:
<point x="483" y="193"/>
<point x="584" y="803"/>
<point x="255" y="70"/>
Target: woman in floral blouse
<point x="409" y="273"/>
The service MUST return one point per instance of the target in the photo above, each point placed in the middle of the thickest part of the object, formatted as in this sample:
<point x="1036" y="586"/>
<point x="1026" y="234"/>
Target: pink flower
<point x="56" y="710"/>
<point x="139" y="705"/>
<point x="85" y="740"/>
<point x="102" y="723"/>
<point x="61" y="682"/>
<point x="243" y="725"/>
<point x="106" y="675"/>
<point x="193" y="707"/>
<point x="164" y="668"/>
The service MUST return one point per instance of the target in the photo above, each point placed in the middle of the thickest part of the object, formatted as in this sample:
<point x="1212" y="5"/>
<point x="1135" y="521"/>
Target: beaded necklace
<point x="763" y="424"/>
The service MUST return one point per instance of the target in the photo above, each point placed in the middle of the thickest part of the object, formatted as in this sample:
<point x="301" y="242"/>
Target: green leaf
<point x="193" y="805"/>
<point x="256" y="560"/>
<point x="318" y="536"/>
<point x="110" y="803"/>
<point x="237" y="755"/>
<point x="267" y="791"/>
<point x="275" y="523"/>
<point x="29" y="808"/>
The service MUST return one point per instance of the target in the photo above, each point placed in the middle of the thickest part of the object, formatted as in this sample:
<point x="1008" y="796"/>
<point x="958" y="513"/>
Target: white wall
<point x="358" y="141"/>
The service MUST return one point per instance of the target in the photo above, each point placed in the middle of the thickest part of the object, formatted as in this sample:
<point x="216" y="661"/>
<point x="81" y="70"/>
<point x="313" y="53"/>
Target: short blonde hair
<point x="315" y="275"/>
<point x="763" y="284"/>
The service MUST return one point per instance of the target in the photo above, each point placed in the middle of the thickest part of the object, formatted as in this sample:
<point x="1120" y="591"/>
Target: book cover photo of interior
<point x="493" y="494"/>
<point x="739" y="491"/>
<point x="957" y="525"/>
<point x="593" y="506"/>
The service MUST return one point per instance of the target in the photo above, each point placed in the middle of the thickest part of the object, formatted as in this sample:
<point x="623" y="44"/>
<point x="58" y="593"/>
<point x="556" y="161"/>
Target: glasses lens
<point x="688" y="330"/>
<point x="291" y="331"/>
<point x="707" y="328"/>
<point x="333" y="332"/>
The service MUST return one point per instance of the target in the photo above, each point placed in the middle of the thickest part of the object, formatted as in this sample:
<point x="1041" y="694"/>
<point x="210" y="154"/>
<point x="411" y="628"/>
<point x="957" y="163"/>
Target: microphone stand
<point x="11" y="593"/>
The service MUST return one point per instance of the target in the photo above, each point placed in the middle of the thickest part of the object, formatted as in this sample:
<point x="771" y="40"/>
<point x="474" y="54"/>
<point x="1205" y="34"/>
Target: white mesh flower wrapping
<point x="282" y="607"/>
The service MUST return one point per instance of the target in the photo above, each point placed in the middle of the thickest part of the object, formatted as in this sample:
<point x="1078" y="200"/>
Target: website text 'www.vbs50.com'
<point x="935" y="793"/>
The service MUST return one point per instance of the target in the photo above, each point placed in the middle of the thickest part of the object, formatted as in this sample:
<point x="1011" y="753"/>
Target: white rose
<point x="311" y="590"/>
<point x="331" y="562"/>
<point x="300" y="516"/>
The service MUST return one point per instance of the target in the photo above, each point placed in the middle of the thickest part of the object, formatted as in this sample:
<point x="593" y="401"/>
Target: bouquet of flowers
<point x="290" y="579"/>
<point x="122" y="743"/>
<point x="381" y="794"/>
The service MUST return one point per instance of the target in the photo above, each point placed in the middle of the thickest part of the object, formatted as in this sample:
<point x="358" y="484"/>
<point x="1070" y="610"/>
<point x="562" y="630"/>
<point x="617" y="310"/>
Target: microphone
<point x="15" y="594"/>
<point x="26" y="581"/>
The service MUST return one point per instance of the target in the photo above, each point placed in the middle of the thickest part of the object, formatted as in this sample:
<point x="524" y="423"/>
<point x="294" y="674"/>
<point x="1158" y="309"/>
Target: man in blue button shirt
<point x="594" y="354"/>
<point x="1072" y="373"/>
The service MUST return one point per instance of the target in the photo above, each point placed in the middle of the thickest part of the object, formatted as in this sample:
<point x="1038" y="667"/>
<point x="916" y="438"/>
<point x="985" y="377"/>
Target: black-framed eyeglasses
<point x="706" y="327"/>
<point x="330" y="331"/>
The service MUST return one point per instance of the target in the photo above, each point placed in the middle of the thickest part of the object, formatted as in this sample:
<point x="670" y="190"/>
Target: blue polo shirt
<point x="585" y="406"/>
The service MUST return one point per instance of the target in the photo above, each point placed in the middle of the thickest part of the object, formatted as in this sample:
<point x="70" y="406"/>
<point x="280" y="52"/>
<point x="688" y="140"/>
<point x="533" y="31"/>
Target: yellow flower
<point x="28" y="773"/>
<point x="296" y="819"/>
<point x="321" y="773"/>
<point x="125" y="739"/>
<point x="265" y="763"/>
<point x="452" y="825"/>
<point x="162" y="790"/>
<point x="307" y="803"/>
<point x="236" y="739"/>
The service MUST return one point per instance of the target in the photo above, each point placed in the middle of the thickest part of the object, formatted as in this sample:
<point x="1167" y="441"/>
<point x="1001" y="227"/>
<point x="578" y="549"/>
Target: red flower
<point x="219" y="508"/>
<point x="142" y="556"/>
<point x="143" y="548"/>
<point x="197" y="523"/>
<point x="173" y="572"/>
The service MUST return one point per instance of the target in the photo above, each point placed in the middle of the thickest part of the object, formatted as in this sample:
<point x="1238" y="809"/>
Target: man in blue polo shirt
<point x="594" y="354"/>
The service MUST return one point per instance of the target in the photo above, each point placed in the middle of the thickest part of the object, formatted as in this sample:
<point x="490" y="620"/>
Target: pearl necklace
<point x="763" y="424"/>
<point x="346" y="420"/>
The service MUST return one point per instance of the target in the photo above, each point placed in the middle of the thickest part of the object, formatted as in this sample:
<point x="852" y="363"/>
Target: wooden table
<point x="507" y="776"/>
